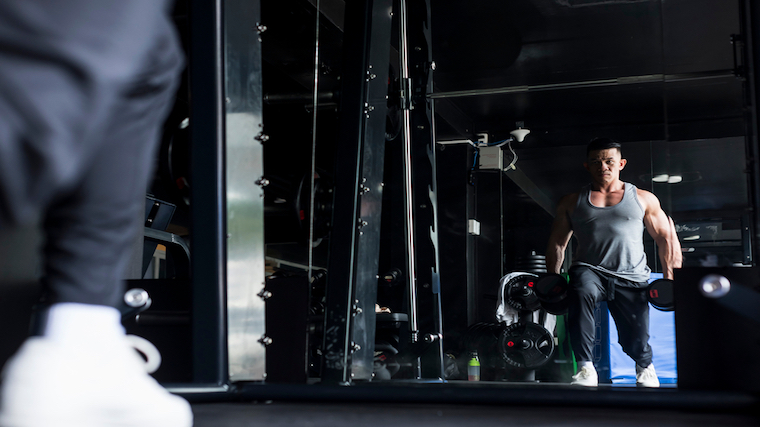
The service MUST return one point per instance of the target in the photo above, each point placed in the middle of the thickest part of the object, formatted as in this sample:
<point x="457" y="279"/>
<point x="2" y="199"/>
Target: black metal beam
<point x="751" y="38"/>
<point x="425" y="190"/>
<point x="207" y="193"/>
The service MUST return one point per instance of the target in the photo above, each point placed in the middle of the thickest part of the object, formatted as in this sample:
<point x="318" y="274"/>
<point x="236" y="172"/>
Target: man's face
<point x="604" y="165"/>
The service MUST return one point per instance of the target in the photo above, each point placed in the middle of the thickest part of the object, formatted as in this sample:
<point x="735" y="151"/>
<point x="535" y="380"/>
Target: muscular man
<point x="85" y="86"/>
<point x="608" y="218"/>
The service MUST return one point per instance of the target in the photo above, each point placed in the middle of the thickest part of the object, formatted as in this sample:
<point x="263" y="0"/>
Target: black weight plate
<point x="531" y="263"/>
<point x="660" y="294"/>
<point x="557" y="308"/>
<point x="519" y="293"/>
<point x="526" y="345"/>
<point x="551" y="288"/>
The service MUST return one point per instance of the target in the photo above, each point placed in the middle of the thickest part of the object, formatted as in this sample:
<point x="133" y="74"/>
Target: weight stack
<point x="532" y="263"/>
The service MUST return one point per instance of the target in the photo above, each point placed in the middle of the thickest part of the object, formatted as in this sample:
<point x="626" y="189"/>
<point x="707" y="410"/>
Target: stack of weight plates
<point x="532" y="263"/>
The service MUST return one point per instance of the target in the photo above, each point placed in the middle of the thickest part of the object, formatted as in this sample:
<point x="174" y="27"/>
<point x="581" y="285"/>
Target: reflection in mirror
<point x="704" y="186"/>
<point x="569" y="71"/>
<point x="631" y="71"/>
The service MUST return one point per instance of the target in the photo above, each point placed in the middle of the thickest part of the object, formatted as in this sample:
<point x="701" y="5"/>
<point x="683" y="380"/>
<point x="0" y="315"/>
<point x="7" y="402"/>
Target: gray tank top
<point x="611" y="239"/>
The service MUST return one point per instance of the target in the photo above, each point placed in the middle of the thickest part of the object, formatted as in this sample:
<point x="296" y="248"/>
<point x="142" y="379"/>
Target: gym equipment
<point x="526" y="345"/>
<point x="519" y="293"/>
<point x="135" y="301"/>
<point x="660" y="294"/>
<point x="532" y="263"/>
<point x="551" y="291"/>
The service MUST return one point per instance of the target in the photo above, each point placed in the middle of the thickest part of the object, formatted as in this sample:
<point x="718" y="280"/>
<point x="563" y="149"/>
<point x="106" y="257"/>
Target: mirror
<point x="635" y="71"/>
<point x="571" y="71"/>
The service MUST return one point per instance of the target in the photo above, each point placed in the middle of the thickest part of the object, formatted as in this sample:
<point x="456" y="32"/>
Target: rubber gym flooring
<point x="486" y="404"/>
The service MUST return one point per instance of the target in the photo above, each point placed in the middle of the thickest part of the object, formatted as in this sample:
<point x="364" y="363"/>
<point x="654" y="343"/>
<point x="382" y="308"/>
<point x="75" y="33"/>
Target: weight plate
<point x="557" y="308"/>
<point x="551" y="288"/>
<point x="519" y="294"/>
<point x="526" y="345"/>
<point x="660" y="294"/>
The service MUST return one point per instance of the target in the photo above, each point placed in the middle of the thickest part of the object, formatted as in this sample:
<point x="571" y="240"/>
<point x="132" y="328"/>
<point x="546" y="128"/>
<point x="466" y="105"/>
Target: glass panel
<point x="568" y="71"/>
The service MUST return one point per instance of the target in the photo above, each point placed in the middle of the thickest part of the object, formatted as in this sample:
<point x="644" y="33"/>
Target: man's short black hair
<point x="603" y="144"/>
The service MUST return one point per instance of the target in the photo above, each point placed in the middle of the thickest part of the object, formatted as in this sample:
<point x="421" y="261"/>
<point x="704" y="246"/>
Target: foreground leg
<point x="81" y="370"/>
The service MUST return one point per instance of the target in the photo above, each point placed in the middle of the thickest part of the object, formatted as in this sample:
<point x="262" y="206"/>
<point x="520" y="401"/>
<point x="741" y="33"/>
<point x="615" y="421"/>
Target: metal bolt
<point x="262" y="182"/>
<point x="260" y="28"/>
<point x="261" y="137"/>
<point x="264" y="294"/>
<point x="431" y="338"/>
<point x="265" y="340"/>
<point x="136" y="297"/>
<point x="714" y="286"/>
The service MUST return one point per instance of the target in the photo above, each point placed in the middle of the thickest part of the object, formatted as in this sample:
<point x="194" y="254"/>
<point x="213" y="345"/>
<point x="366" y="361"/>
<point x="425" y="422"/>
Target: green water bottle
<point x="473" y="367"/>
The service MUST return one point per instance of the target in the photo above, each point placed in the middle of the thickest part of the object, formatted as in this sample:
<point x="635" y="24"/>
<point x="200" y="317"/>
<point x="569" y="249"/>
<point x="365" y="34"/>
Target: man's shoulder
<point x="570" y="198"/>
<point x="645" y="194"/>
<point x="647" y="198"/>
<point x="568" y="202"/>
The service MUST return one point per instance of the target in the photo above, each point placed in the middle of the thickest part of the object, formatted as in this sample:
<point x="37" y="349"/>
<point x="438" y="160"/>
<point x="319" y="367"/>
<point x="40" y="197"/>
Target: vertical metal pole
<point x="436" y="271"/>
<point x="208" y="208"/>
<point x="406" y="94"/>
<point x="751" y="26"/>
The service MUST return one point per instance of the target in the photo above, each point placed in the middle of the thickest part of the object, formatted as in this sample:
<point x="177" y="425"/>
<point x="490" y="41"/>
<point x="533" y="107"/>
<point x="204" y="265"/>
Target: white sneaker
<point x="646" y="377"/>
<point x="99" y="384"/>
<point x="586" y="377"/>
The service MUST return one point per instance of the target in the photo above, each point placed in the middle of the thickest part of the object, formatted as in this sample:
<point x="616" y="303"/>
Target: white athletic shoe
<point x="646" y="377"/>
<point x="586" y="377"/>
<point x="85" y="383"/>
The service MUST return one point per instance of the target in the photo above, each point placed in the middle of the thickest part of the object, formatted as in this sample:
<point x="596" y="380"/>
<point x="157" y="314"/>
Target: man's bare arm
<point x="560" y="234"/>
<point x="663" y="231"/>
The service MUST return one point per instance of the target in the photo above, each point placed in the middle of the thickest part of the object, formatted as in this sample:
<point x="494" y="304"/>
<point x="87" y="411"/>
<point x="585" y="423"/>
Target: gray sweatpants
<point x="628" y="306"/>
<point x="85" y="86"/>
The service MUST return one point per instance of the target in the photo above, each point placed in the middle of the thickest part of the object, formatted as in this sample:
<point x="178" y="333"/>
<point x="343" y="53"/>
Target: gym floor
<point x="341" y="414"/>
<point x="485" y="404"/>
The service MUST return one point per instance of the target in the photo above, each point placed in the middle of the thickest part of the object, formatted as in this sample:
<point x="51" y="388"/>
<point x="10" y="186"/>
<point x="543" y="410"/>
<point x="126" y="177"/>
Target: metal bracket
<point x="368" y="109"/>
<point x="406" y="93"/>
<point x="261" y="137"/>
<point x="264" y="294"/>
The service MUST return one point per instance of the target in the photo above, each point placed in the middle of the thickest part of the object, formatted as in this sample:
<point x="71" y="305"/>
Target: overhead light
<point x="665" y="178"/>
<point x="695" y="237"/>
